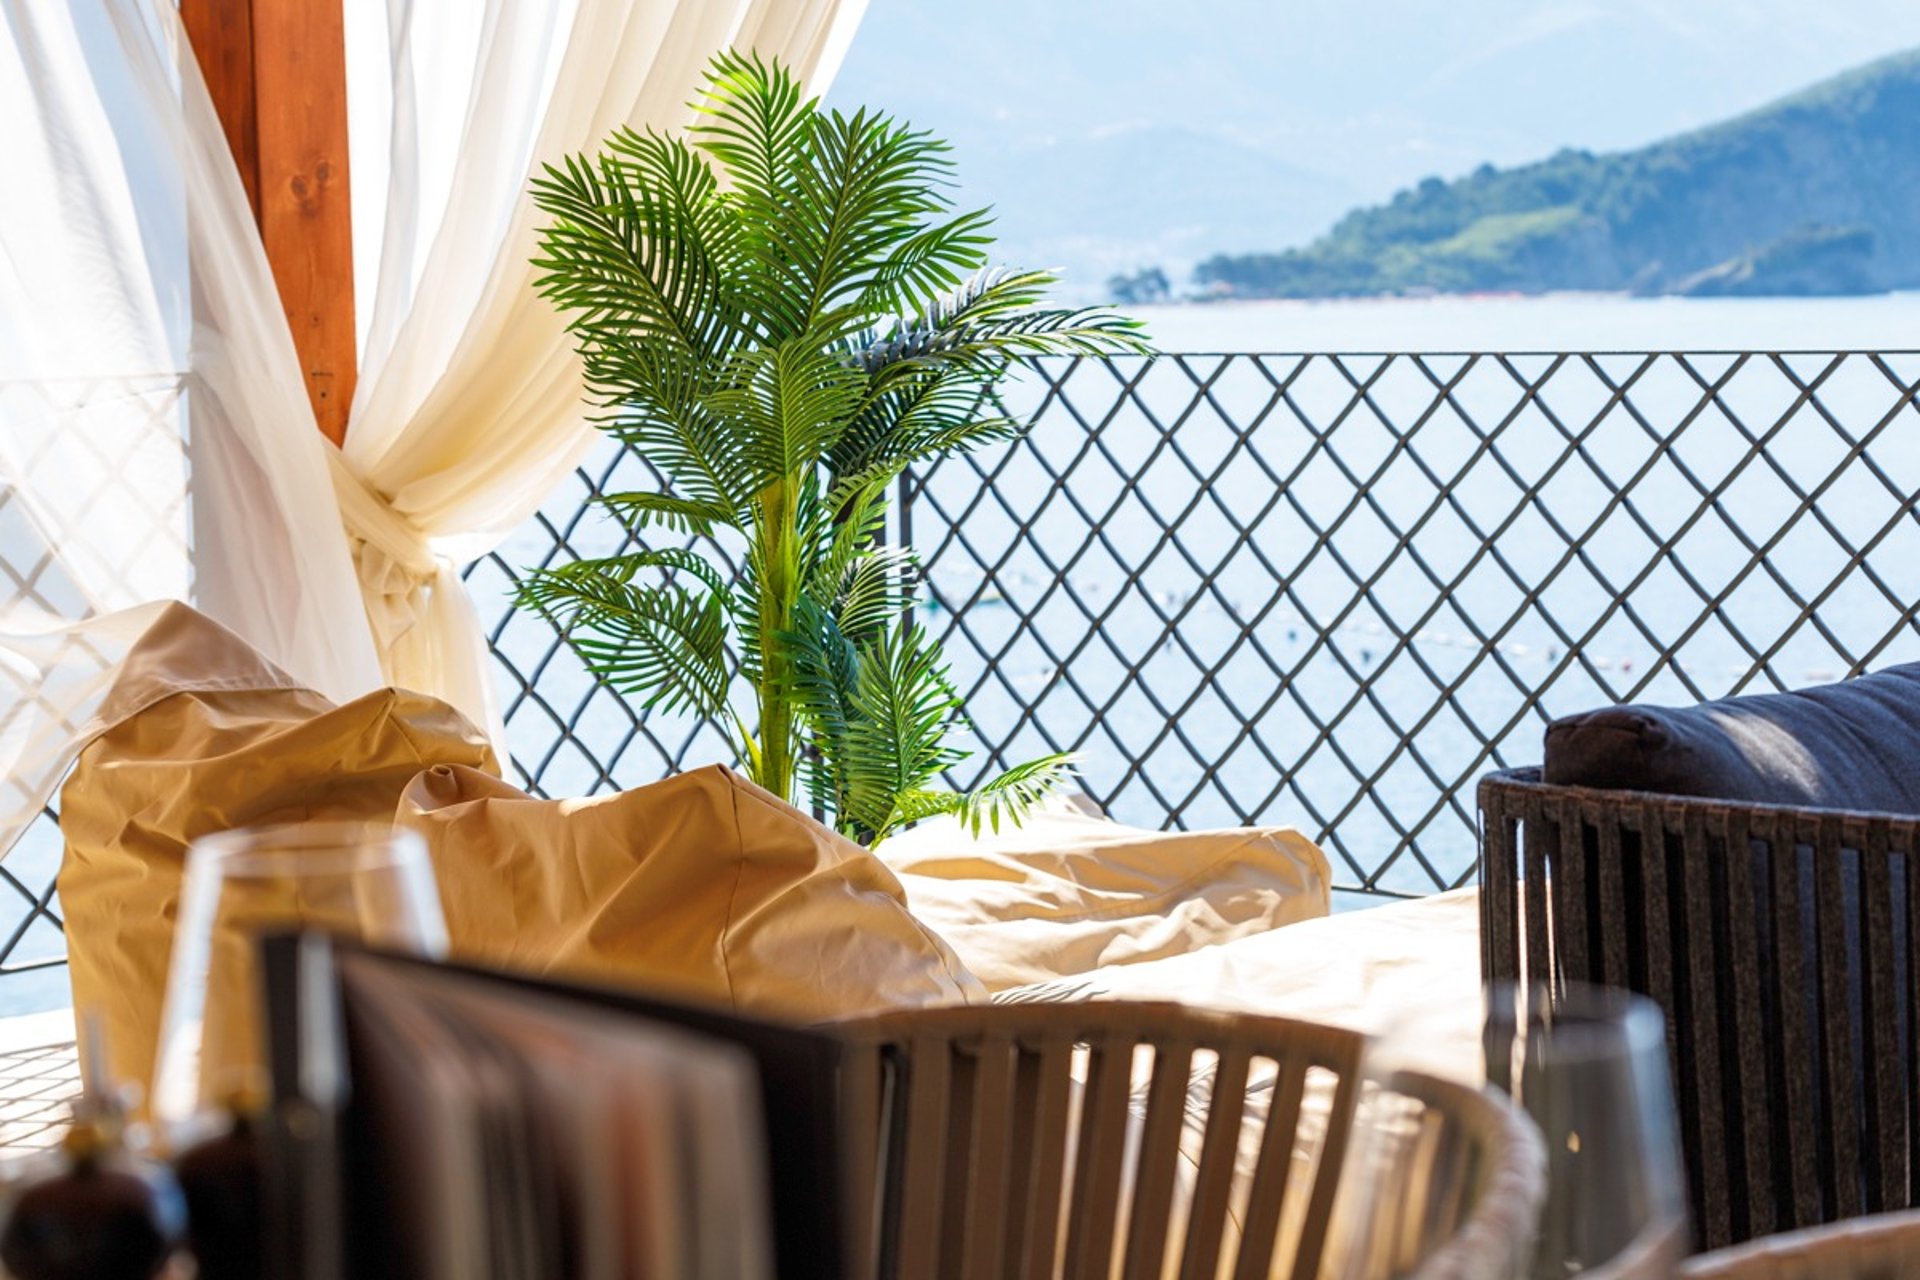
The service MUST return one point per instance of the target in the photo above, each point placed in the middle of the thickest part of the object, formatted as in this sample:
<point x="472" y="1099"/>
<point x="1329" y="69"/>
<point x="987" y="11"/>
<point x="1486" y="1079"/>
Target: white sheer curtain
<point x="469" y="410"/>
<point x="155" y="438"/>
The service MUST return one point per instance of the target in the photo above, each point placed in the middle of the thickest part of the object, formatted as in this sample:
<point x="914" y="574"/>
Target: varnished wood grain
<point x="276" y="71"/>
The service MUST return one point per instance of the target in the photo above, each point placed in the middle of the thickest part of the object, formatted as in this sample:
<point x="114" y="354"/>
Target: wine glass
<point x="368" y="881"/>
<point x="1442" y="1179"/>
<point x="1593" y="1188"/>
<point x="1590" y="1066"/>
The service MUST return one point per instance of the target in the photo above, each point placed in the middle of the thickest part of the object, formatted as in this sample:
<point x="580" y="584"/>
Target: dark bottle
<point x="221" y="1178"/>
<point x="107" y="1216"/>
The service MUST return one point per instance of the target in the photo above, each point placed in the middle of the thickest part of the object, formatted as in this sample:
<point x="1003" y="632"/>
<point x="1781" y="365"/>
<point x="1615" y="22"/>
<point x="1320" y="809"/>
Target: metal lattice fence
<point x="73" y="512"/>
<point x="1331" y="591"/>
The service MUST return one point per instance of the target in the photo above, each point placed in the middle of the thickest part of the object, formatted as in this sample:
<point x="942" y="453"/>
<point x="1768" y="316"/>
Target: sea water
<point x="1198" y="689"/>
<point x="1554" y="322"/>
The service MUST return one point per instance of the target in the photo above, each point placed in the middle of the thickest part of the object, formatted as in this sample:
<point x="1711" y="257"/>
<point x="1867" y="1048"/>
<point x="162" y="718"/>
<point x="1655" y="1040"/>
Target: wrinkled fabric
<point x="1067" y="892"/>
<point x="1410" y="970"/>
<point x="700" y="887"/>
<point x="202" y="734"/>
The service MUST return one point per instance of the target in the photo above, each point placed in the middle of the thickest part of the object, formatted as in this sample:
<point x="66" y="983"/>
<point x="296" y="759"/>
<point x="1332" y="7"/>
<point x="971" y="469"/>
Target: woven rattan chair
<point x="1882" y="1247"/>
<point x="1015" y="1142"/>
<point x="1780" y="942"/>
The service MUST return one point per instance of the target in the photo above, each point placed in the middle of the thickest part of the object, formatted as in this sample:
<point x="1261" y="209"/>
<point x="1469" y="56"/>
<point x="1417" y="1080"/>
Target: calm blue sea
<point x="1556" y="322"/>
<point x="1208" y="684"/>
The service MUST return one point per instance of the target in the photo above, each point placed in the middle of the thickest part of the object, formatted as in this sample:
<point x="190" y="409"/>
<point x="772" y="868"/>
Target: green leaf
<point x="1013" y="794"/>
<point x="994" y="317"/>
<point x="786" y="406"/>
<point x="641" y="511"/>
<point x="665" y="644"/>
<point x="779" y="313"/>
<point x="903" y="706"/>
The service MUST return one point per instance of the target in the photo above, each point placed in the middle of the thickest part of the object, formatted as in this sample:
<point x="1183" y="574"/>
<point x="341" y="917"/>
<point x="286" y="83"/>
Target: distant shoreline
<point x="1504" y="297"/>
<point x="1556" y="322"/>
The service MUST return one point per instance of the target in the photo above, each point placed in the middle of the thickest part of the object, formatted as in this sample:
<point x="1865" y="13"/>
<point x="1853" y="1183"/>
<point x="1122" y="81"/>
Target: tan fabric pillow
<point x="702" y="886"/>
<point x="1068" y="892"/>
<point x="202" y="734"/>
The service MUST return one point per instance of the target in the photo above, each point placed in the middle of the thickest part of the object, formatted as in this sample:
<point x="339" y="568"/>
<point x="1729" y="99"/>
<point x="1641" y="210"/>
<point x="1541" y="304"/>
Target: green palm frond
<point x="993" y="317"/>
<point x="825" y="671"/>
<point x="663" y="643"/>
<point x="925" y="413"/>
<point x="917" y="806"/>
<point x="732" y="295"/>
<point x="641" y="510"/>
<point x="786" y="405"/>
<point x="638" y="245"/>
<point x="903" y="708"/>
<point x="875" y="589"/>
<point x="868" y="177"/>
<point x="845" y="212"/>
<point x="665" y="416"/>
<point x="845" y="525"/>
<point x="1014" y="793"/>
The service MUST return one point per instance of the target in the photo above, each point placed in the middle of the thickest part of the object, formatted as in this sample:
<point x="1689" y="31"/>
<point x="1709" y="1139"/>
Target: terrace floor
<point x="39" y="1078"/>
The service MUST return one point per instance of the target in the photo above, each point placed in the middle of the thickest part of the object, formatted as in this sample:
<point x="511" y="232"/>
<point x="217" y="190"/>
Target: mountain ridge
<point x="1363" y="99"/>
<point x="1815" y="192"/>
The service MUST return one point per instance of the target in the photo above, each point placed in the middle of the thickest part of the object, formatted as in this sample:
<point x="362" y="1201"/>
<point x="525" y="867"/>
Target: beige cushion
<point x="201" y="734"/>
<point x="702" y="886"/>
<point x="1068" y="892"/>
<point x="1410" y="970"/>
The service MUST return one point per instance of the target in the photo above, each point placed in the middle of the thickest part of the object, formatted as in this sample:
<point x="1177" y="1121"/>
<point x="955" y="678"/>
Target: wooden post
<point x="277" y="73"/>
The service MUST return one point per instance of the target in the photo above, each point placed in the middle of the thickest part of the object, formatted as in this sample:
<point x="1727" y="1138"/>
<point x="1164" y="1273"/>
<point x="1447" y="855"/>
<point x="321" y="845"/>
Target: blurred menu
<point x="464" y="1125"/>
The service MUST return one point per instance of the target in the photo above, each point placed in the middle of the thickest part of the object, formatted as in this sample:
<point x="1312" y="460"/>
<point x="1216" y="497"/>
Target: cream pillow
<point x="201" y="734"/>
<point x="1068" y="891"/>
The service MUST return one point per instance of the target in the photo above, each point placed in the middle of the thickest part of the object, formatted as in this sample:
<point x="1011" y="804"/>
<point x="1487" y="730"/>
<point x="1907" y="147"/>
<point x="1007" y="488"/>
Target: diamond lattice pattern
<point x="1332" y="591"/>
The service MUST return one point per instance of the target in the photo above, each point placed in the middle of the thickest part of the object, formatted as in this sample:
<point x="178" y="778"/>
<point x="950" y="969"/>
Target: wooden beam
<point x="277" y="73"/>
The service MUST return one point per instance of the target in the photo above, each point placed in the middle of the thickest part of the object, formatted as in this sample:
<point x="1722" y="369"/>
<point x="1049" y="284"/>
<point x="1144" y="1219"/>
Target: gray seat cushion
<point x="1852" y="745"/>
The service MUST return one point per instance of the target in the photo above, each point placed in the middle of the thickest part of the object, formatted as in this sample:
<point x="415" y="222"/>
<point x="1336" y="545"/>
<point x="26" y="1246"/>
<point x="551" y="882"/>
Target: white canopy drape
<point x="156" y="442"/>
<point x="468" y="410"/>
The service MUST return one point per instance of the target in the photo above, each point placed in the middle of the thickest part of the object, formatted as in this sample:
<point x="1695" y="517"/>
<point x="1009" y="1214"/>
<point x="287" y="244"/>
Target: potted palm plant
<point x="781" y="312"/>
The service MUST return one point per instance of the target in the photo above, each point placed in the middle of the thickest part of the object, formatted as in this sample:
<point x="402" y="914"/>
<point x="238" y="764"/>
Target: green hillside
<point x="1816" y="193"/>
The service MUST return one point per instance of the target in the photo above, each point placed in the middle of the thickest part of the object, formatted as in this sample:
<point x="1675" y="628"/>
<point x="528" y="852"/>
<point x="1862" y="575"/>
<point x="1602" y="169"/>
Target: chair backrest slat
<point x="1219" y="1150"/>
<point x="1880" y="1048"/>
<point x="1838" y="1086"/>
<point x="1042" y="1189"/>
<point x="1272" y="1172"/>
<point x="923" y="1177"/>
<point x="1101" y="1148"/>
<point x="1044" y="1142"/>
<point x="994" y="1142"/>
<point x="1149" y="1217"/>
<point x="1782" y="941"/>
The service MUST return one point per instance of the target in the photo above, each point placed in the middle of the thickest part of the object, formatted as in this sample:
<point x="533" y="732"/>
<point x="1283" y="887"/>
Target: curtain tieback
<point x="395" y="561"/>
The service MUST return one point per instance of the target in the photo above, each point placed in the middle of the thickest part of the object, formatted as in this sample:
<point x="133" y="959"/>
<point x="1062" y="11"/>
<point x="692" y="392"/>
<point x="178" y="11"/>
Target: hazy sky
<point x="1108" y="129"/>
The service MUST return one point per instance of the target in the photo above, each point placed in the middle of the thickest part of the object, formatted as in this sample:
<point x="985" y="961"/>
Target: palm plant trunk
<point x="779" y="589"/>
